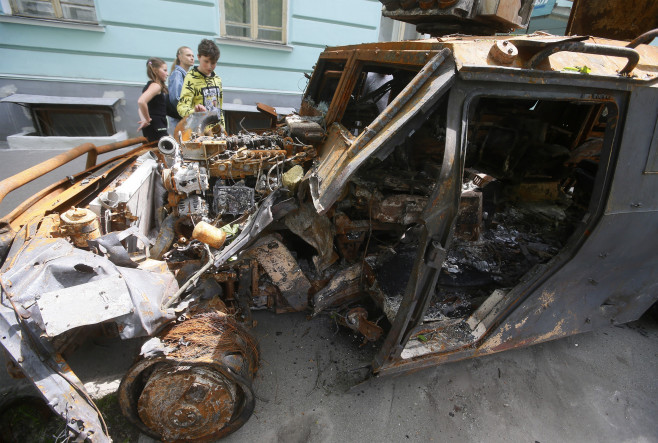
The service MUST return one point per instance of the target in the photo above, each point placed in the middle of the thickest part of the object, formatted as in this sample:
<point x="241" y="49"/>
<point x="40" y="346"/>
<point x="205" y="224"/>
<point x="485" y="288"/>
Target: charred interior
<point x="529" y="177"/>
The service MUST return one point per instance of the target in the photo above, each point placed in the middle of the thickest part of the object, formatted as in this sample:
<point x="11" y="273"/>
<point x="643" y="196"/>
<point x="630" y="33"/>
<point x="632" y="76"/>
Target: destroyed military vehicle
<point x="445" y="198"/>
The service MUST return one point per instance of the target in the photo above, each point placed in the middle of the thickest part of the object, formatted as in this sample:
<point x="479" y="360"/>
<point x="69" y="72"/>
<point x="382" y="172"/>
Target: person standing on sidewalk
<point x="202" y="88"/>
<point x="184" y="61"/>
<point x="152" y="104"/>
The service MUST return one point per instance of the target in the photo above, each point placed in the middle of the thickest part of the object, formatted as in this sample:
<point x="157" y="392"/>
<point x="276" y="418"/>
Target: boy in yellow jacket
<point x="202" y="88"/>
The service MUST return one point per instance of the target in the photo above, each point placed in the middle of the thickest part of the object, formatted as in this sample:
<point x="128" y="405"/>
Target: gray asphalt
<point x="593" y="387"/>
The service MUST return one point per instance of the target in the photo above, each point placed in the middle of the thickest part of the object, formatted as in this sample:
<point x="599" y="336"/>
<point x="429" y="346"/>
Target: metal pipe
<point x="168" y="146"/>
<point x="614" y="51"/>
<point x="17" y="180"/>
<point x="643" y="39"/>
<point x="400" y="100"/>
<point x="27" y="204"/>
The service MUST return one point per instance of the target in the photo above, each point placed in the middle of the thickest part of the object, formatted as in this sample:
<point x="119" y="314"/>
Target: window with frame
<point x="70" y="10"/>
<point x="262" y="20"/>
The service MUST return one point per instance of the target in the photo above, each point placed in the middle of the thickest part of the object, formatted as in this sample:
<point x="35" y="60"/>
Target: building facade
<point x="97" y="49"/>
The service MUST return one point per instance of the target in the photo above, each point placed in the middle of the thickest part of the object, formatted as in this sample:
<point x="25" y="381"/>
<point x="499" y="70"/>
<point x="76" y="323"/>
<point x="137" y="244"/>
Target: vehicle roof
<point x="472" y="53"/>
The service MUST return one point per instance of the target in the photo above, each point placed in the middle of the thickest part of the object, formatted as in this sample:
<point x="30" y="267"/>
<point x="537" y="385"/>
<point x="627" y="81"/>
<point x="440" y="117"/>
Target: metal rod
<point x="614" y="51"/>
<point x="17" y="180"/>
<point x="643" y="39"/>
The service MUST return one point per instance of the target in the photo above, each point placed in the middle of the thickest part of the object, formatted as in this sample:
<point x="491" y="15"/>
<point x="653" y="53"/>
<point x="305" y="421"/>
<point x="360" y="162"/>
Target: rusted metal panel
<point x="614" y="19"/>
<point x="344" y="89"/>
<point x="470" y="55"/>
<point x="401" y="59"/>
<point x="440" y="17"/>
<point x="317" y="231"/>
<point x="474" y="53"/>
<point x="344" y="287"/>
<point x="284" y="271"/>
<point x="57" y="383"/>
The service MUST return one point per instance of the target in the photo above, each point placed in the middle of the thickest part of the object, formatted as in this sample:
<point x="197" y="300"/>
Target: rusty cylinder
<point x="201" y="390"/>
<point x="81" y="225"/>
<point x="208" y="234"/>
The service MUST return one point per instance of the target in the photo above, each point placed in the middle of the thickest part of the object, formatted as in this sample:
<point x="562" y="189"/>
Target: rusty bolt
<point x="505" y="43"/>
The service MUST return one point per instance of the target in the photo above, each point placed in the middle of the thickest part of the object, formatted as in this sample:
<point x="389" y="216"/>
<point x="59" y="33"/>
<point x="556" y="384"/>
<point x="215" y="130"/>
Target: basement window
<point x="69" y="116"/>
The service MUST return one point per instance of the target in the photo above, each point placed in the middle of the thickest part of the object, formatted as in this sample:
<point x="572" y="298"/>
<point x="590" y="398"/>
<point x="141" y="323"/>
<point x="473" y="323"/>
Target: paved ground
<point x="594" y="387"/>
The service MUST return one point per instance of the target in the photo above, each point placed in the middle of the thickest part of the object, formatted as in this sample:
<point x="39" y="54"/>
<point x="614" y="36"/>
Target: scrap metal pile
<point x="413" y="196"/>
<point x="181" y="246"/>
<point x="191" y="237"/>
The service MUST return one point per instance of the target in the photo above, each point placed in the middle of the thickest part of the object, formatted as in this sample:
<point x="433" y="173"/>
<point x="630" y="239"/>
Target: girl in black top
<point x="153" y="101"/>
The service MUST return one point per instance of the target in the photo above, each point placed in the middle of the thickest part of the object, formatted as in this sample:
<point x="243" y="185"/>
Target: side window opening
<point x="322" y="88"/>
<point x="529" y="177"/>
<point x="376" y="88"/>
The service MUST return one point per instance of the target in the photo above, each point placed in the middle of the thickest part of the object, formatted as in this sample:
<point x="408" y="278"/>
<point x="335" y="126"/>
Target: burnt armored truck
<point x="445" y="198"/>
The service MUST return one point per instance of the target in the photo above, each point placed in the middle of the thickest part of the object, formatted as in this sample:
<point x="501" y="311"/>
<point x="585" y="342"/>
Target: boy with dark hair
<point x="202" y="88"/>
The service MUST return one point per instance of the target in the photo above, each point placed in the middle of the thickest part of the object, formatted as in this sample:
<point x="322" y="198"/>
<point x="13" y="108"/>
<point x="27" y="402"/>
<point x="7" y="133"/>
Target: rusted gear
<point x="202" y="390"/>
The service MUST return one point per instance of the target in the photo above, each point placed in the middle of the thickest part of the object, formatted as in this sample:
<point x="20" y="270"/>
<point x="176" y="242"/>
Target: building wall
<point x="110" y="58"/>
